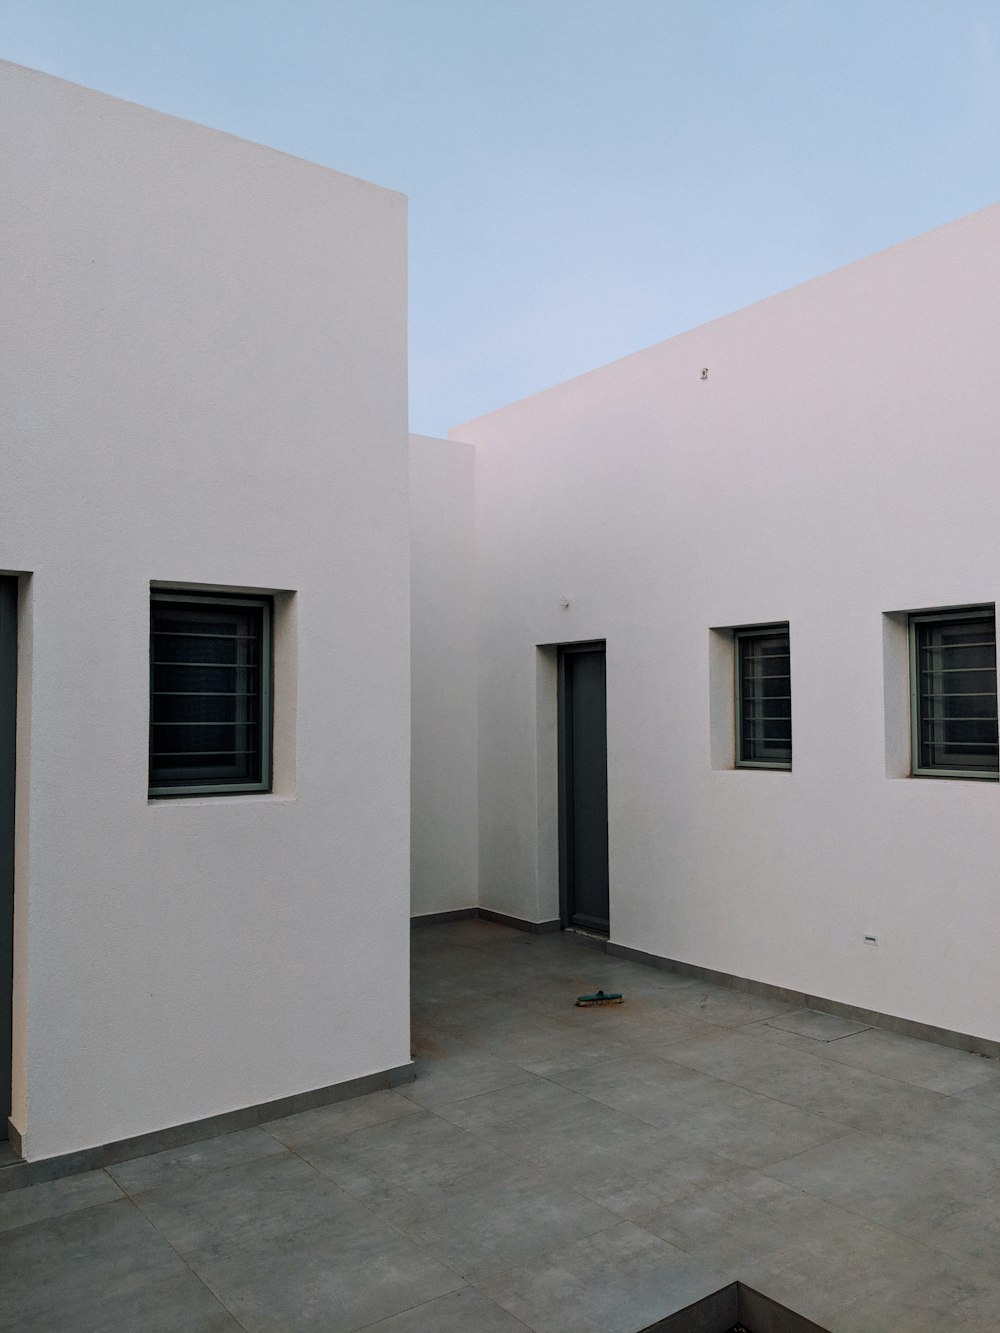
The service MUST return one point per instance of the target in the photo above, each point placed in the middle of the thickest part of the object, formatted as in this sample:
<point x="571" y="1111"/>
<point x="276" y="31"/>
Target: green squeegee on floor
<point x="599" y="997"/>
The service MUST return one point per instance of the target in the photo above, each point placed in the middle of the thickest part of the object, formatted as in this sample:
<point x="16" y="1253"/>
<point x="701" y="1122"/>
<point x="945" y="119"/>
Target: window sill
<point x="220" y="798"/>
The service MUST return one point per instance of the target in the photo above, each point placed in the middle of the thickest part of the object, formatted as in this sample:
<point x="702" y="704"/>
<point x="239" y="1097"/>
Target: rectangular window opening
<point x="763" y="697"/>
<point x="953" y="694"/>
<point x="209" y="694"/>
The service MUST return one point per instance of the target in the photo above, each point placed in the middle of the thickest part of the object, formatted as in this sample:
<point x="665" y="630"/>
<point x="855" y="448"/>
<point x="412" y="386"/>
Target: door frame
<point x="565" y="763"/>
<point x="8" y="761"/>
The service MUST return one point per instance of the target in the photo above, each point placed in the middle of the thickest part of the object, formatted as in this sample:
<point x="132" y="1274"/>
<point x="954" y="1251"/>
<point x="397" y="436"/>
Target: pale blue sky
<point x="585" y="176"/>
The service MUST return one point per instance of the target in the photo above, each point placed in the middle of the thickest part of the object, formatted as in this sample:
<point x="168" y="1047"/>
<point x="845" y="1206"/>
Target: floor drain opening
<point x="735" y="1309"/>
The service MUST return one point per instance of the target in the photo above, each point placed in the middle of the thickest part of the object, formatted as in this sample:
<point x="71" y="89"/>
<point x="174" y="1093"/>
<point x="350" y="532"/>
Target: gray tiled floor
<point x="555" y="1169"/>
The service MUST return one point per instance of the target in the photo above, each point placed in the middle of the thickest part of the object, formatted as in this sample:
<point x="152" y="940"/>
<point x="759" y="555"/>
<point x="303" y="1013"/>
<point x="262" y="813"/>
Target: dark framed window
<point x="209" y="694"/>
<point x="763" y="697"/>
<point x="953" y="693"/>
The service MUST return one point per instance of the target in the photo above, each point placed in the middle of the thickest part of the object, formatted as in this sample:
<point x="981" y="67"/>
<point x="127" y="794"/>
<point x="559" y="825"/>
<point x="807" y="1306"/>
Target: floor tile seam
<point x="375" y="1209"/>
<point x="742" y="1087"/>
<point x="974" y="1267"/>
<point x="784" y="1100"/>
<point x="67" y="1212"/>
<point x="339" y="1134"/>
<point x="849" y="1212"/>
<point x="372" y="1209"/>
<point x="469" y="1286"/>
<point x="189" y="1266"/>
<point x="56" y="1217"/>
<point x="898" y="1232"/>
<point x="906" y="1082"/>
<point x="455" y="1101"/>
<point x="428" y="1245"/>
<point x="515" y="1268"/>
<point x="834" y="1064"/>
<point x="865" y="1133"/>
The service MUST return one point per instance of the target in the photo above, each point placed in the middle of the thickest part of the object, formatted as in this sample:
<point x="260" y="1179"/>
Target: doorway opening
<point x="583" y="788"/>
<point x="8" y="714"/>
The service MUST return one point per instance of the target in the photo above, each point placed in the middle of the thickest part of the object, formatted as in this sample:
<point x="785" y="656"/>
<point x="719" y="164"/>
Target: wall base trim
<point x="518" y="923"/>
<point x="908" y="1027"/>
<point x="486" y="914"/>
<point x="441" y="918"/>
<point x="17" y="1175"/>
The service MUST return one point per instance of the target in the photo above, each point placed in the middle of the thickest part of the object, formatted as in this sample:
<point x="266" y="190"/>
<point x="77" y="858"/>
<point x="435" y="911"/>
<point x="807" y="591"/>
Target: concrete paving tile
<point x="431" y="993"/>
<point x="653" y="1090"/>
<point x="739" y="1219"/>
<point x="939" y="1299"/>
<point x="608" y="974"/>
<point x="741" y="1057"/>
<point x="818" y="1279"/>
<point x="177" y="1165"/>
<point x="342" y="1274"/>
<point x="965" y="1132"/>
<point x="854" y="1097"/>
<point x="806" y="1079"/>
<point x="614" y="1282"/>
<point x="727" y="1007"/>
<point x="754" y="1129"/>
<point x="594" y="971"/>
<point x="495" y="1217"/>
<point x="966" y="1228"/>
<point x="940" y="1068"/>
<point x="50" y="1269"/>
<point x="987" y="1092"/>
<point x="540" y="1045"/>
<point x="340" y="1118"/>
<point x="417" y="1153"/>
<point x="54" y="1197"/>
<point x="861" y="1100"/>
<point x="244" y="1205"/>
<point x="813" y="1023"/>
<point x="542" y="1122"/>
<point x="178" y="1302"/>
<point x="887" y="1179"/>
<point x="469" y="932"/>
<point x="454" y="1070"/>
<point x="476" y="970"/>
<point x="646" y="1020"/>
<point x="635" y="1179"/>
<point x="466" y="1311"/>
<point x="767" y="1031"/>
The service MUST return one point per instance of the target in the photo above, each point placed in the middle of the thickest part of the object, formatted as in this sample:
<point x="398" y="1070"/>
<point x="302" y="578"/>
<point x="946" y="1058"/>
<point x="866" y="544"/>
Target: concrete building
<point x="811" y="479"/>
<point x="703" y="641"/>
<point x="204" y="362"/>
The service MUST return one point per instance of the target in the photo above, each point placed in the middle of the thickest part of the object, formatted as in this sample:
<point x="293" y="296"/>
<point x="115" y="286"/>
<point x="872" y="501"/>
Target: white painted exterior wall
<point x="444" y="758"/>
<point x="203" y="352"/>
<point x="839" y="463"/>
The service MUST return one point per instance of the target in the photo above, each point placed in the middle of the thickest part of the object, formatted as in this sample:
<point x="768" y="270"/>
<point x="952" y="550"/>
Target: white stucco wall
<point x="840" y="462"/>
<point x="444" y="844"/>
<point x="203" y="354"/>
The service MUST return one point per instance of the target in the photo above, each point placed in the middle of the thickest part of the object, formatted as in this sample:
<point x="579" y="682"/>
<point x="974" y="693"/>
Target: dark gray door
<point x="8" y="688"/>
<point x="583" y="786"/>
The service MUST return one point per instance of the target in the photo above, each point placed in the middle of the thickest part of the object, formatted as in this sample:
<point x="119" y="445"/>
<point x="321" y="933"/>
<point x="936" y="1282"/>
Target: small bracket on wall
<point x="704" y="372"/>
